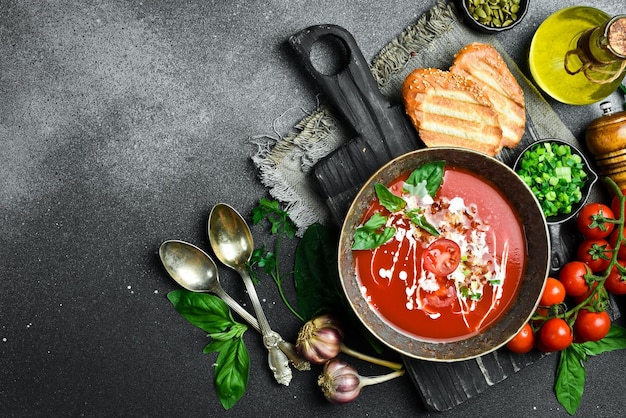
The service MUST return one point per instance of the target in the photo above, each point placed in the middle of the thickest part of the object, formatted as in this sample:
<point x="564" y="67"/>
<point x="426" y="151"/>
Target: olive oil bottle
<point x="578" y="55"/>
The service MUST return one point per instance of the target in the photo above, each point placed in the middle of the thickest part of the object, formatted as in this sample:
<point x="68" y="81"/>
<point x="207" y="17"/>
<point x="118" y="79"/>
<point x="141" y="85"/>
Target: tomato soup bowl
<point x="534" y="263"/>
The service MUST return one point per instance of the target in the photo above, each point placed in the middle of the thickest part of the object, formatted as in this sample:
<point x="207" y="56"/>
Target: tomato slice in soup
<point x="442" y="257"/>
<point x="444" y="296"/>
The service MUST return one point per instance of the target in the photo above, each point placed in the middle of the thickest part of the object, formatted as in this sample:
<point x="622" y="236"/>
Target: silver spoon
<point x="196" y="271"/>
<point x="232" y="243"/>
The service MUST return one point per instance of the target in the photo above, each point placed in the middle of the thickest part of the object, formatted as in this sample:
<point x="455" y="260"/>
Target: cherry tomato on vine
<point x="600" y="296"/>
<point x="572" y="275"/>
<point x="555" y="335"/>
<point x="615" y="204"/>
<point x="616" y="283"/>
<point x="596" y="253"/>
<point x="553" y="293"/>
<point x="524" y="340"/>
<point x="591" y="221"/>
<point x="442" y="257"/>
<point x="591" y="326"/>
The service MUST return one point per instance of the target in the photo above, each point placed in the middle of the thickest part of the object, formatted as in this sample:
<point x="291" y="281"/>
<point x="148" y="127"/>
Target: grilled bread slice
<point x="482" y="64"/>
<point x="450" y="110"/>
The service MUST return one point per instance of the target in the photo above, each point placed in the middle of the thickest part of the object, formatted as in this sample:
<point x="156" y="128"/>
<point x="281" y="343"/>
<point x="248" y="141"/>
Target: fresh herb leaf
<point x="316" y="274"/>
<point x="390" y="201"/>
<point x="318" y="286"/>
<point x="282" y="226"/>
<point x="416" y="216"/>
<point x="425" y="179"/>
<point x="571" y="374"/>
<point x="212" y="315"/>
<point x="231" y="371"/>
<point x="367" y="236"/>
<point x="205" y="311"/>
<point x="570" y="378"/>
<point x="263" y="259"/>
<point x="279" y="219"/>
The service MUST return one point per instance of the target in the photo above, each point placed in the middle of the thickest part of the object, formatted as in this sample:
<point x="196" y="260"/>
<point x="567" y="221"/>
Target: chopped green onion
<point x="555" y="175"/>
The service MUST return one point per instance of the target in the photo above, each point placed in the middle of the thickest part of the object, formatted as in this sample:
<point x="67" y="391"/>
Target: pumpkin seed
<point x="494" y="13"/>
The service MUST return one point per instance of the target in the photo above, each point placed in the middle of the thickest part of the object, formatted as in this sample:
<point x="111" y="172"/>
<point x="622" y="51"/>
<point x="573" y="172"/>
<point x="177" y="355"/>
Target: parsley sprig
<point x="282" y="227"/>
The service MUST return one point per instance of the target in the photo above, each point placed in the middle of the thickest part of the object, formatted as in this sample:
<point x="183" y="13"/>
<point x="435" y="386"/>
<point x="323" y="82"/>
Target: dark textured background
<point x="121" y="124"/>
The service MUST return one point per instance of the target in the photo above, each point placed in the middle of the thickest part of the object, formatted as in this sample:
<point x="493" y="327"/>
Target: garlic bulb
<point x="341" y="383"/>
<point x="320" y="339"/>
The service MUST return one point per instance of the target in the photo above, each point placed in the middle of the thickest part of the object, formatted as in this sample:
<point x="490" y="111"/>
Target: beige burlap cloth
<point x="284" y="163"/>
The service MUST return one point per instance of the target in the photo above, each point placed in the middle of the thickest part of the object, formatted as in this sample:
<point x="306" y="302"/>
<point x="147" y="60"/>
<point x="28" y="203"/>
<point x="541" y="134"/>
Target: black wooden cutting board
<point x="382" y="132"/>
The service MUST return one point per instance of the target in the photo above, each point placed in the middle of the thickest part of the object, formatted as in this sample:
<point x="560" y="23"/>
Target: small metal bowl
<point x="561" y="252"/>
<point x="462" y="7"/>
<point x="537" y="257"/>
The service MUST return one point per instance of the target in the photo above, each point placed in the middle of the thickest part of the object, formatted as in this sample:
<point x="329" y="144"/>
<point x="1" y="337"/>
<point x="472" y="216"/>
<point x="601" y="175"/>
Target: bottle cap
<point x="615" y="35"/>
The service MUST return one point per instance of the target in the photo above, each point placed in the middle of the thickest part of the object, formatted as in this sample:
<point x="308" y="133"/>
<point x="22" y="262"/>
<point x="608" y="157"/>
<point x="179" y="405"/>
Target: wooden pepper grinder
<point x="606" y="140"/>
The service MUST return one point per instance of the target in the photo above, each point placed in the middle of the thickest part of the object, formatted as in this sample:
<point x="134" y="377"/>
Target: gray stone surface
<point x="121" y="124"/>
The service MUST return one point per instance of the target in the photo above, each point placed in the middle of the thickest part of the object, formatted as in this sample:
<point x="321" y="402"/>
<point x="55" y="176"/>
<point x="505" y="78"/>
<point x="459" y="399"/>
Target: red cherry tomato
<point x="555" y="335"/>
<point x="524" y="340"/>
<point x="615" y="206"/>
<point x="591" y="221"/>
<point x="596" y="253"/>
<point x="572" y="275"/>
<point x="616" y="282"/>
<point x="442" y="257"/>
<point x="600" y="296"/>
<point x="553" y="293"/>
<point x="591" y="326"/>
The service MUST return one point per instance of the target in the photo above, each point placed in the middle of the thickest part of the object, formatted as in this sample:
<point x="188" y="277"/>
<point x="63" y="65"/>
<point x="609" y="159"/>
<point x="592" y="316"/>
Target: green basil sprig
<point x="423" y="181"/>
<point x="390" y="201"/>
<point x="212" y="315"/>
<point x="417" y="217"/>
<point x="370" y="235"/>
<point x="426" y="179"/>
<point x="571" y="374"/>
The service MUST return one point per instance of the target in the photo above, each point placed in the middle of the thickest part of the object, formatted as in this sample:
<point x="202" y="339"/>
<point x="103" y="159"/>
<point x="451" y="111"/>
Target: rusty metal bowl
<point x="536" y="268"/>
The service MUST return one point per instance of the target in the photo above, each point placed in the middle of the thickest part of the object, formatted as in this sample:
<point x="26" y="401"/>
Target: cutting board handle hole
<point x="329" y="55"/>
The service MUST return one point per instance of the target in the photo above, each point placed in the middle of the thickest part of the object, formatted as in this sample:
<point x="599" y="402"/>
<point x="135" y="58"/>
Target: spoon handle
<point x="286" y="347"/>
<point x="235" y="306"/>
<point x="256" y="303"/>
<point x="278" y="360"/>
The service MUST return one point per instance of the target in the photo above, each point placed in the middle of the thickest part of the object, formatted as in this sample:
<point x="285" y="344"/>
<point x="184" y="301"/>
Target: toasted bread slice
<point x="449" y="110"/>
<point x="482" y="64"/>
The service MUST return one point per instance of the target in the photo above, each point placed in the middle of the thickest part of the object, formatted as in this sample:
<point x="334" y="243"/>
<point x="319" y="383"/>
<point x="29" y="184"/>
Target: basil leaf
<point x="212" y="315"/>
<point x="316" y="274"/>
<point x="203" y="310"/>
<point x="614" y="340"/>
<point x="419" y="219"/>
<point x="366" y="237"/>
<point x="236" y="330"/>
<point x="425" y="179"/>
<point x="570" y="378"/>
<point x="231" y="371"/>
<point x="390" y="201"/>
<point x="375" y="221"/>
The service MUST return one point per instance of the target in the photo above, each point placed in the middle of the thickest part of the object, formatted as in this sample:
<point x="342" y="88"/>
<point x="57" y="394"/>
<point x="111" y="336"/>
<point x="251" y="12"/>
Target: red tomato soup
<point x="453" y="285"/>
